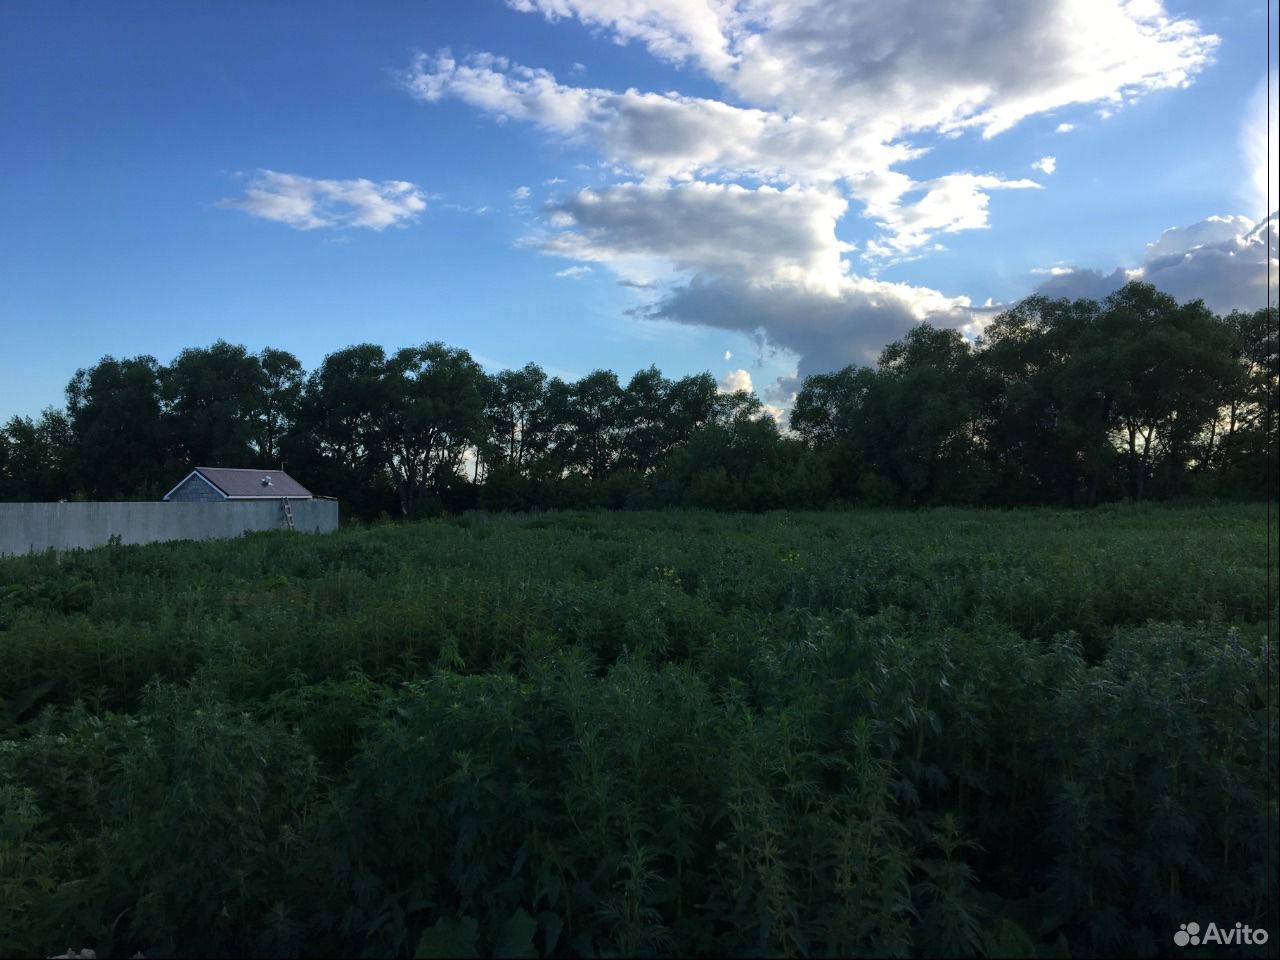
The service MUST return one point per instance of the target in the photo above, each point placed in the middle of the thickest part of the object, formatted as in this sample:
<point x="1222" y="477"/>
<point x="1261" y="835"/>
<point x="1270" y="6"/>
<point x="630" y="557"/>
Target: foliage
<point x="1060" y="403"/>
<point x="944" y="732"/>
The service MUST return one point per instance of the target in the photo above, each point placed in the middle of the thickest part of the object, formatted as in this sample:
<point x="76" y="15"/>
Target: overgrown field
<point x="871" y="733"/>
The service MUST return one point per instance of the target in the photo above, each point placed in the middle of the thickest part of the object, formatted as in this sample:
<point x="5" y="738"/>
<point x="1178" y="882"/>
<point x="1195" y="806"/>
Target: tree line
<point x="1068" y="403"/>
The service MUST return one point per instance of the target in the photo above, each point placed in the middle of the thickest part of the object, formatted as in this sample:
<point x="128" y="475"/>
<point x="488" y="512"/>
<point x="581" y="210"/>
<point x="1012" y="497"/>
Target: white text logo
<point x="1189" y="933"/>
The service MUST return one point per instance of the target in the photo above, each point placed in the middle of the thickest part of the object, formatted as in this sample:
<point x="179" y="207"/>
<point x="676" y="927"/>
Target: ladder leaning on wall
<point x="288" y="512"/>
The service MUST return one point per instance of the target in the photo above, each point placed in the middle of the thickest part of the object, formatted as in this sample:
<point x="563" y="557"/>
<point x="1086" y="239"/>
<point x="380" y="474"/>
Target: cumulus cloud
<point x="1221" y="260"/>
<point x="308" y="204"/>
<point x="985" y="64"/>
<point x="766" y="233"/>
<point x="762" y="261"/>
<point x="781" y="392"/>
<point x="826" y="330"/>
<point x="736" y="380"/>
<point x="520" y="194"/>
<point x="947" y="204"/>
<point x="1045" y="164"/>
<point x="1064" y="128"/>
<point x="729" y="211"/>
<point x="674" y="30"/>
<point x="659" y="135"/>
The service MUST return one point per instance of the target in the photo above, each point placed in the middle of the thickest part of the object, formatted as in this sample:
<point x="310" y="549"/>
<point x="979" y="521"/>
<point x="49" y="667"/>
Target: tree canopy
<point x="1058" y="403"/>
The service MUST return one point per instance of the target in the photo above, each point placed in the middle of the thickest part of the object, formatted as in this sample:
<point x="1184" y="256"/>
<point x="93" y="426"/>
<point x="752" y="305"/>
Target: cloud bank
<point x="728" y="211"/>
<point x="1221" y="260"/>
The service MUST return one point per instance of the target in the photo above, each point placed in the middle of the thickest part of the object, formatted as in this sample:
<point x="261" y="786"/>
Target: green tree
<point x="832" y="414"/>
<point x="35" y="458"/>
<point x="1046" y="415"/>
<point x="587" y="415"/>
<point x="435" y="413"/>
<point x="339" y="439"/>
<point x="645" y="420"/>
<point x="516" y="415"/>
<point x="212" y="398"/>
<point x="1236" y="443"/>
<point x="1171" y="368"/>
<point x="923" y="415"/>
<point x="118" y="430"/>
<point x="276" y="404"/>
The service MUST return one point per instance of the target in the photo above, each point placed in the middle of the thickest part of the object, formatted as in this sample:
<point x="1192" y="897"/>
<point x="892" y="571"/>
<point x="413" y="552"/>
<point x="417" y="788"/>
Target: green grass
<point x="947" y="732"/>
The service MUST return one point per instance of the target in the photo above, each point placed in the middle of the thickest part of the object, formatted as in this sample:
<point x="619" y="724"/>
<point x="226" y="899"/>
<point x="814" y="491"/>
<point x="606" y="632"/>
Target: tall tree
<point x="924" y="437"/>
<point x="833" y="414"/>
<point x="588" y="428"/>
<point x="119" y="434"/>
<point x="212" y="398"/>
<point x="276" y="405"/>
<point x="338" y="442"/>
<point x="645" y="420"/>
<point x="35" y="458"/>
<point x="435" y="413"/>
<point x="1236" y="443"/>
<point x="516" y="415"/>
<point x="1046" y="416"/>
<point x="1170" y="367"/>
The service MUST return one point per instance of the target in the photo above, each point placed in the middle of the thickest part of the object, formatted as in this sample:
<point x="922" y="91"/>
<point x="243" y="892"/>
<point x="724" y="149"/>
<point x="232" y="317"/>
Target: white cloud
<point x="663" y="136"/>
<point x="985" y="63"/>
<point x="666" y="136"/>
<point x="769" y="234"/>
<point x="520" y="194"/>
<point x="1210" y="232"/>
<point x="573" y="271"/>
<point x="728" y="354"/>
<point x="736" y="380"/>
<point x="554" y="181"/>
<point x="764" y="261"/>
<point x="1064" y="128"/>
<point x="674" y="30"/>
<point x="1045" y="164"/>
<point x="824" y="96"/>
<point x="947" y="204"/>
<point x="308" y="204"/>
<point x="824" y="329"/>
<point x="1221" y="260"/>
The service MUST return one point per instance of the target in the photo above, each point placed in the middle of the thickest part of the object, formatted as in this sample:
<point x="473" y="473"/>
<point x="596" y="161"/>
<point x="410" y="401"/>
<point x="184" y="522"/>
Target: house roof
<point x="237" y="483"/>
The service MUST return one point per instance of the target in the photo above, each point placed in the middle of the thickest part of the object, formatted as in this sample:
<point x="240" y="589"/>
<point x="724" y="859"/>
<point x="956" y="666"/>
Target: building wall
<point x="195" y="490"/>
<point x="26" y="527"/>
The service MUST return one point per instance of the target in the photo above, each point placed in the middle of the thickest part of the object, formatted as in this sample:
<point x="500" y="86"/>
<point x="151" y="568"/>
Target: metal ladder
<point x="288" y="512"/>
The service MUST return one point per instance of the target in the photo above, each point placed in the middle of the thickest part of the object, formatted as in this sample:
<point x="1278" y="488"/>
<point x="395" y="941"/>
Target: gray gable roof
<point x="237" y="483"/>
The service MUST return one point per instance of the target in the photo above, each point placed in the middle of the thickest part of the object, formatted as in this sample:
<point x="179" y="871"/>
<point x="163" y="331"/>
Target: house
<point x="235" y="483"/>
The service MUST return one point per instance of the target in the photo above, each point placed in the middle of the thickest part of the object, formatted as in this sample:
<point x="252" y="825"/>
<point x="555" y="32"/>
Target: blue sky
<point x="760" y="190"/>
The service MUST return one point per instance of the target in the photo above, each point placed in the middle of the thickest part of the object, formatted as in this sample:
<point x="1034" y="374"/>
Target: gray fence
<point x="26" y="527"/>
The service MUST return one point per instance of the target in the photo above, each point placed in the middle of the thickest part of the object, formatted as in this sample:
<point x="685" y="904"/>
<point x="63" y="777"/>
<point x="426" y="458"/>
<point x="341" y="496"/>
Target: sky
<point x="762" y="190"/>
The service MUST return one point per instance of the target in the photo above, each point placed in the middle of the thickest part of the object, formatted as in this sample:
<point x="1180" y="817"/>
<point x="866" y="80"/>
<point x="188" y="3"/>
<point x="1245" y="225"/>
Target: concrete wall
<point x="25" y="527"/>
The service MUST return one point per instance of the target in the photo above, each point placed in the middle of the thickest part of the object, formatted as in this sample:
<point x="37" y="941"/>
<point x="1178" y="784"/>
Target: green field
<point x="831" y="734"/>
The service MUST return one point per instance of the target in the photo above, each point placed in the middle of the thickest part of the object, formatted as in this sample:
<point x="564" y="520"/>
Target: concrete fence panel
<point x="28" y="527"/>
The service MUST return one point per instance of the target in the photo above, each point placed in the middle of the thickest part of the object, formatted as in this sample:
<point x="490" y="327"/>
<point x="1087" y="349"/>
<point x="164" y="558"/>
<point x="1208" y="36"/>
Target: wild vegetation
<point x="1061" y="403"/>
<point x="947" y="732"/>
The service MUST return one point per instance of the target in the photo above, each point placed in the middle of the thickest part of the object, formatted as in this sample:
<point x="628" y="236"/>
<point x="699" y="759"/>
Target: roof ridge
<point x="242" y="469"/>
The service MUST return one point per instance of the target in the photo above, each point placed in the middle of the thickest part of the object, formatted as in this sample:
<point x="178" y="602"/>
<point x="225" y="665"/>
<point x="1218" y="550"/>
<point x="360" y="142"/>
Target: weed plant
<point x="945" y="733"/>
